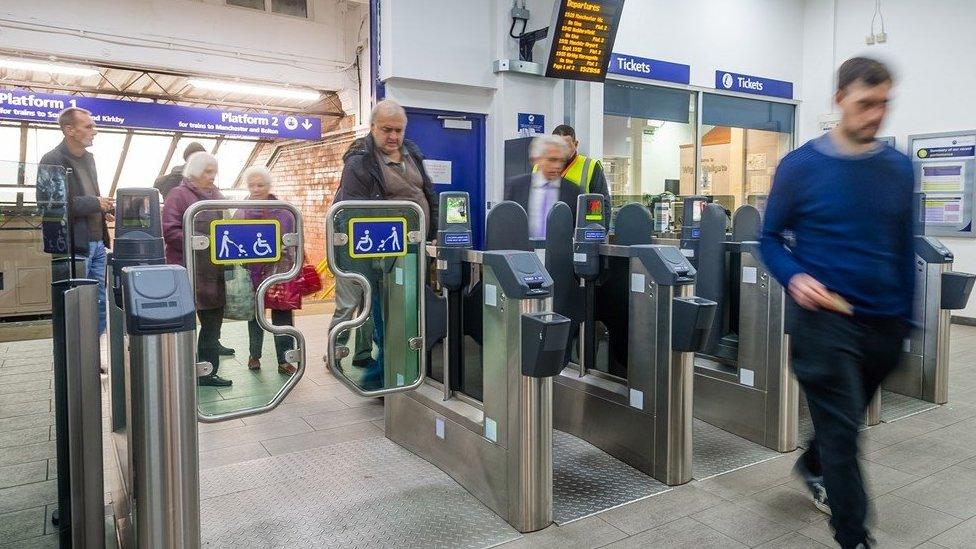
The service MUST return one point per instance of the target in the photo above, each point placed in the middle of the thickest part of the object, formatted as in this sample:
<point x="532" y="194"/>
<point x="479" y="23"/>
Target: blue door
<point x="454" y="145"/>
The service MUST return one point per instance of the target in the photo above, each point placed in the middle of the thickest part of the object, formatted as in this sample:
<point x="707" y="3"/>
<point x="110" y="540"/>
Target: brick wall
<point x="307" y="175"/>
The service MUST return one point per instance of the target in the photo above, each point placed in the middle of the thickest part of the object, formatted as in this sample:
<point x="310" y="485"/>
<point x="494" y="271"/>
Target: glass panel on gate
<point x="251" y="365"/>
<point x="383" y="352"/>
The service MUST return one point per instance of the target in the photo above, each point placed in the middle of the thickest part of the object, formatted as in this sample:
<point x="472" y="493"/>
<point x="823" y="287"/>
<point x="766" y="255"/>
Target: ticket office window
<point x="743" y="141"/>
<point x="649" y="136"/>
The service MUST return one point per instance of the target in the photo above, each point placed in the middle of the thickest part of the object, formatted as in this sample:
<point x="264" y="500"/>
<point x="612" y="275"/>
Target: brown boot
<point x="253" y="364"/>
<point x="286" y="369"/>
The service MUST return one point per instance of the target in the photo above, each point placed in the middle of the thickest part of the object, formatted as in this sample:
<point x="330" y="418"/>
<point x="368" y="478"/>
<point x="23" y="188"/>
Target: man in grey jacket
<point x="88" y="211"/>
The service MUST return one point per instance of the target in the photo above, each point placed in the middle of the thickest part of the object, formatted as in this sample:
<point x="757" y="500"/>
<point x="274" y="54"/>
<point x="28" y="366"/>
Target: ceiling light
<point x="249" y="89"/>
<point x="38" y="66"/>
<point x="655" y="123"/>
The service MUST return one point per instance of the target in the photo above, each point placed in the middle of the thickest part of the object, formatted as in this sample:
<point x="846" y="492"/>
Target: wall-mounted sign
<point x="530" y="124"/>
<point x="118" y="113"/>
<point x="582" y="33"/>
<point x="641" y="67"/>
<point x="756" y="85"/>
<point x="944" y="166"/>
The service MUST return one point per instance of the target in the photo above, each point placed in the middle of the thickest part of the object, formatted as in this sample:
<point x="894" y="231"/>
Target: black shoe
<point x="362" y="362"/>
<point x="815" y="485"/>
<point x="224" y="351"/>
<point x="214" y="381"/>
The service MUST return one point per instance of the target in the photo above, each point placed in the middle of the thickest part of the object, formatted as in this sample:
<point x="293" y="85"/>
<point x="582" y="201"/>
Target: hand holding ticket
<point x="809" y="293"/>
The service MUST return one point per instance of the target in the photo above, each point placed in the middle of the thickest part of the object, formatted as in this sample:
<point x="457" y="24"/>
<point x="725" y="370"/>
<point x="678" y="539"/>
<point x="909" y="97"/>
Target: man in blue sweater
<point x="847" y="201"/>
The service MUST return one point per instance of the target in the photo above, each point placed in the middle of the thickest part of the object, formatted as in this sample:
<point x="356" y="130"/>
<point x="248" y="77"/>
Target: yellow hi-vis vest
<point x="581" y="170"/>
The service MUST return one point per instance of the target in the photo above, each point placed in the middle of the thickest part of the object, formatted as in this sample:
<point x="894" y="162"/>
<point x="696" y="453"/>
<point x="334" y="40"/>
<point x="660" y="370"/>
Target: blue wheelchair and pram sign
<point x="237" y="241"/>
<point x="371" y="237"/>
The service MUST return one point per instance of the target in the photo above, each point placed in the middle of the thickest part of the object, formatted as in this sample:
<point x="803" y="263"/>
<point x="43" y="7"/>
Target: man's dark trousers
<point x="840" y="362"/>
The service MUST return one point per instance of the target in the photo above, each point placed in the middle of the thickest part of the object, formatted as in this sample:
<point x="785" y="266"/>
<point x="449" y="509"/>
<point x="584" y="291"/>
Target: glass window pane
<point x="648" y="142"/>
<point x="177" y="159"/>
<point x="743" y="141"/>
<point x="231" y="157"/>
<point x="145" y="156"/>
<point x="40" y="141"/>
<point x="10" y="138"/>
<point x="253" y="4"/>
<point x="298" y="8"/>
<point x="107" y="150"/>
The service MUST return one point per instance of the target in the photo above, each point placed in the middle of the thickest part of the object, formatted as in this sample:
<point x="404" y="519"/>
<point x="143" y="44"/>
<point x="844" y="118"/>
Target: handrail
<point x="367" y="308"/>
<point x="298" y="243"/>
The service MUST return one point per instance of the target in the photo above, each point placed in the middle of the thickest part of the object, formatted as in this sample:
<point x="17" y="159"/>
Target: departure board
<point x="582" y="34"/>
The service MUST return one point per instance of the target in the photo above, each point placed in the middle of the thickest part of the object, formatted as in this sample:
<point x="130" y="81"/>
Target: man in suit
<point x="539" y="191"/>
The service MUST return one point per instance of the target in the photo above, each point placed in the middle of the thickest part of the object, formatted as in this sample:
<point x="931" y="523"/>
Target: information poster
<point x="583" y="33"/>
<point x="944" y="172"/>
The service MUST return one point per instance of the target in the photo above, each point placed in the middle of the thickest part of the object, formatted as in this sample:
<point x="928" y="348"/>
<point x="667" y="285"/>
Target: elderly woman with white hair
<point x="198" y="184"/>
<point x="258" y="180"/>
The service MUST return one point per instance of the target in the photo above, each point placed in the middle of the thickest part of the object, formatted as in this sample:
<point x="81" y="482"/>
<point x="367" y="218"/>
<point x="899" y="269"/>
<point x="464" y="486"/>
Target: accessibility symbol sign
<point x="236" y="241"/>
<point x="377" y="237"/>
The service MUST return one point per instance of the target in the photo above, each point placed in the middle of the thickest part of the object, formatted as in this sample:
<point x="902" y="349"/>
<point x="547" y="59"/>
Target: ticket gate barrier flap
<point x="200" y="239"/>
<point x="392" y="281"/>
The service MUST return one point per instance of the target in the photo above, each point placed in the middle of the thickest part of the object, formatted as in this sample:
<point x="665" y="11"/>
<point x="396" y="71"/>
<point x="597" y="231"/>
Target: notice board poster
<point x="944" y="170"/>
<point x="582" y="32"/>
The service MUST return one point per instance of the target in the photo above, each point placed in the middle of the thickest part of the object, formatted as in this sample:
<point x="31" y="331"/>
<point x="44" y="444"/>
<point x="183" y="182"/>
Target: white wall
<point x="206" y="37"/>
<point x="929" y="47"/>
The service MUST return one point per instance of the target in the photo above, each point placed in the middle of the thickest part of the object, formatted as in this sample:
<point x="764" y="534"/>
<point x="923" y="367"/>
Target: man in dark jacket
<point x="166" y="183"/>
<point x="381" y="166"/>
<point x="87" y="209"/>
<point x="538" y="192"/>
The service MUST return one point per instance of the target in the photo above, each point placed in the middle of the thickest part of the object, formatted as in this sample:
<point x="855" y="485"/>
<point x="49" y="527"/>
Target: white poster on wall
<point x="439" y="171"/>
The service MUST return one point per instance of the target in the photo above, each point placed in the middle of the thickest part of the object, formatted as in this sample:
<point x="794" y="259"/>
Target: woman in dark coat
<point x="258" y="180"/>
<point x="198" y="184"/>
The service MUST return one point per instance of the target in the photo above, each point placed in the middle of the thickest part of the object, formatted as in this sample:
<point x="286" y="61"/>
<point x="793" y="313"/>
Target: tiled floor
<point x="921" y="470"/>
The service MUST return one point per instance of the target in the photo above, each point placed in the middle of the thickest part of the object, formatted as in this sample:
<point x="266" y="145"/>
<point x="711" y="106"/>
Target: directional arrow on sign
<point x="306" y="124"/>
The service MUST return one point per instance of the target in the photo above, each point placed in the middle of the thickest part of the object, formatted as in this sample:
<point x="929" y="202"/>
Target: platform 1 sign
<point x="116" y="113"/>
<point x="372" y="237"/>
<point x="236" y="241"/>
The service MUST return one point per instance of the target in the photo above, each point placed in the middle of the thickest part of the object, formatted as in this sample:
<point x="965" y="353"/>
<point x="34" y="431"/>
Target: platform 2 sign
<point x="115" y="113"/>
<point x="373" y="237"/>
<point x="237" y="241"/>
<point x="583" y="33"/>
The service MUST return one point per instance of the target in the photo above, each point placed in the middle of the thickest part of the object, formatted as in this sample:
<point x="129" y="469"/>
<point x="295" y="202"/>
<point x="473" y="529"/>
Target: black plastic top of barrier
<point x="507" y="227"/>
<point x="634" y="225"/>
<point x="746" y="224"/>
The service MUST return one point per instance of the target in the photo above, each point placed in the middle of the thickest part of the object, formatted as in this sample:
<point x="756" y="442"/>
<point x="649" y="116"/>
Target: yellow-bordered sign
<point x="373" y="237"/>
<point x="244" y="241"/>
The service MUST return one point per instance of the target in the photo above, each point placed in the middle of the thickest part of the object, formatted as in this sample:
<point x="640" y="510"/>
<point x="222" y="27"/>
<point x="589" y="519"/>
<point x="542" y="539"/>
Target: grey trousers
<point x="348" y="302"/>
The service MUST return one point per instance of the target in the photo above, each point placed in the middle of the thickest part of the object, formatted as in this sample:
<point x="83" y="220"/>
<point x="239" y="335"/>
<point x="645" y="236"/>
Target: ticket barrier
<point x="743" y="382"/>
<point x="154" y="368"/>
<point x="498" y="444"/>
<point x="924" y="370"/>
<point x="638" y="405"/>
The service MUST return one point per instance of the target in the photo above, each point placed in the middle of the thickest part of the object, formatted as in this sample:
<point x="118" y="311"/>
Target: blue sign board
<point x="117" y="113"/>
<point x="235" y="241"/>
<point x="594" y="234"/>
<point x="457" y="239"/>
<point x="756" y="85"/>
<point x="529" y="123"/>
<point x="946" y="152"/>
<point x="642" y="67"/>
<point x="371" y="237"/>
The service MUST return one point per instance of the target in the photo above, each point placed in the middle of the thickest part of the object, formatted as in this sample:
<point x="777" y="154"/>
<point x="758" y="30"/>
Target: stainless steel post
<point x="873" y="413"/>
<point x="534" y="510"/>
<point x="164" y="436"/>
<point x="679" y="381"/>
<point x="84" y="392"/>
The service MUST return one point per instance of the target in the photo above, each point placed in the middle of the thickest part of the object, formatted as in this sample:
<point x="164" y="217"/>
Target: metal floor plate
<point x="587" y="480"/>
<point x="717" y="451"/>
<point x="895" y="406"/>
<point x="363" y="493"/>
